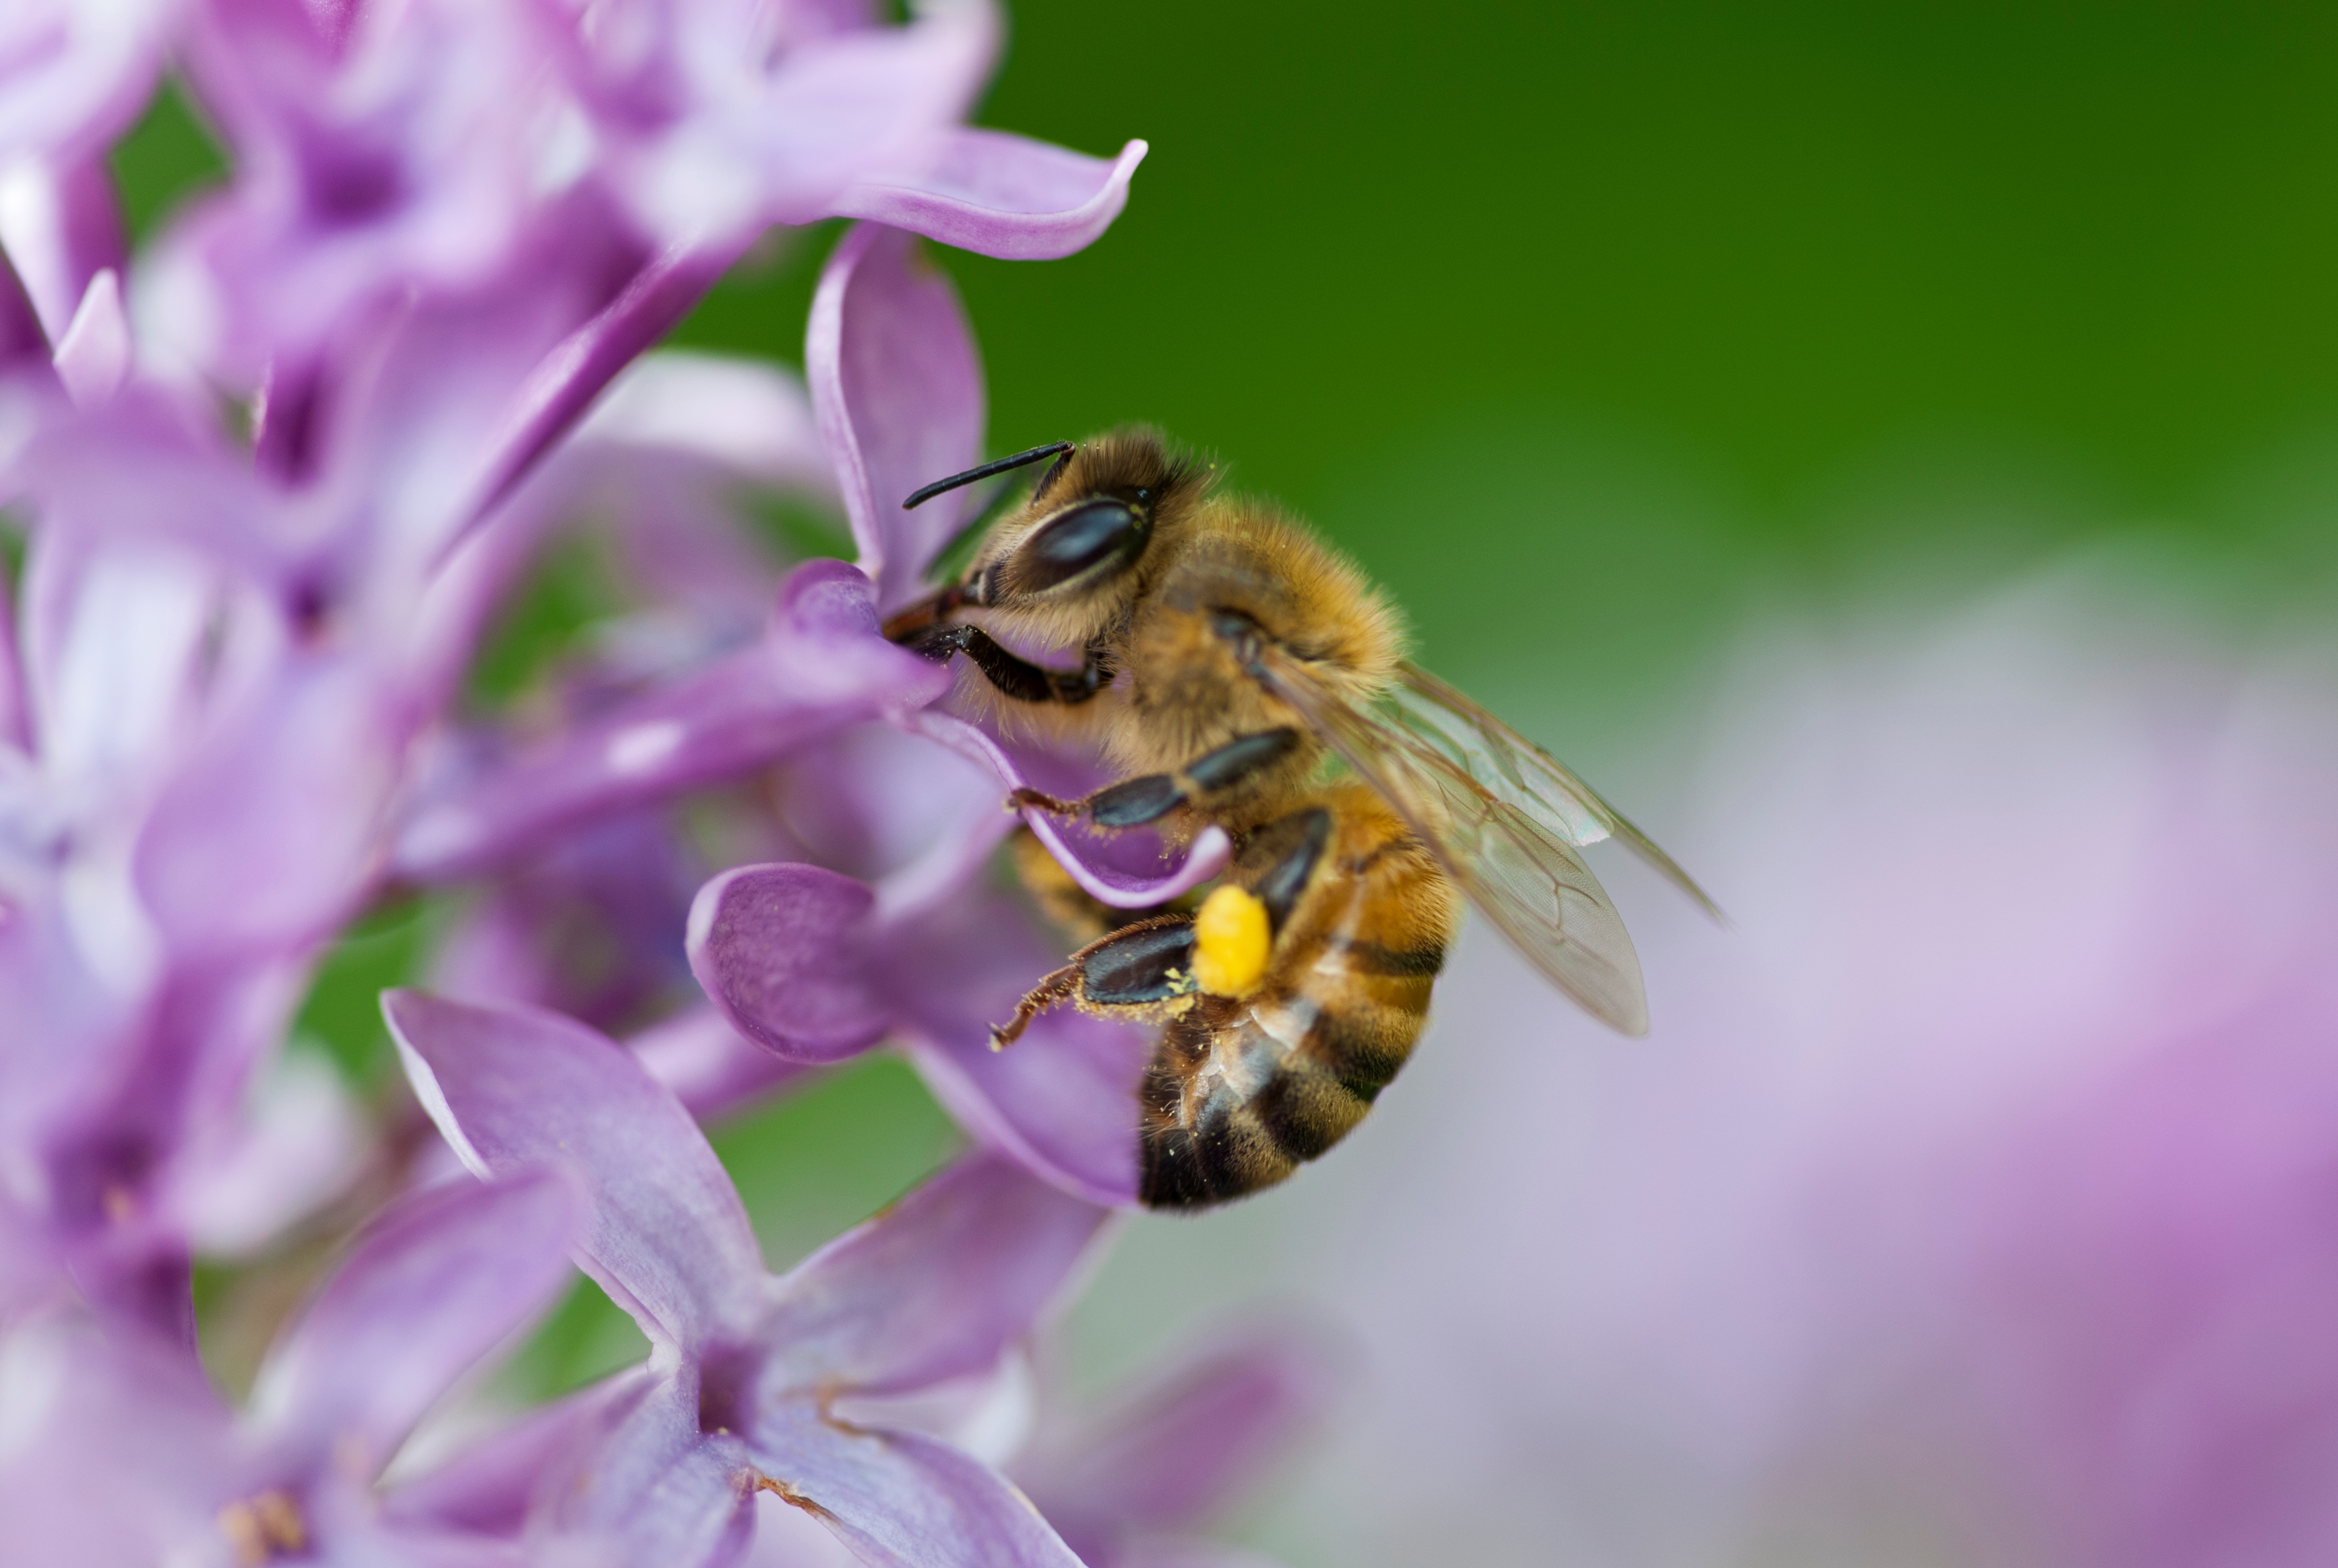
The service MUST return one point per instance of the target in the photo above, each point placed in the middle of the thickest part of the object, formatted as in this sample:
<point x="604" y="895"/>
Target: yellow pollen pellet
<point x="1231" y="941"/>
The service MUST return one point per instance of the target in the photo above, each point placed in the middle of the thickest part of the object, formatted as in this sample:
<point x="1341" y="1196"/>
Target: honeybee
<point x="1227" y="655"/>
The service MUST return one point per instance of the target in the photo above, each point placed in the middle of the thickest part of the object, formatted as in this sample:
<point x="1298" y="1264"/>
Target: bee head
<point x="1070" y="559"/>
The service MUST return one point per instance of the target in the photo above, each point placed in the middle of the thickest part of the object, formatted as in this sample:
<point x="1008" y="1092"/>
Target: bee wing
<point x="1519" y="866"/>
<point x="1520" y="772"/>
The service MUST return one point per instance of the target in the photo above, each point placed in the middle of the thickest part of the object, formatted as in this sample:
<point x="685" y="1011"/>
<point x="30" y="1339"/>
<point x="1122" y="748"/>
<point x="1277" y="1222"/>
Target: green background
<point x="1589" y="325"/>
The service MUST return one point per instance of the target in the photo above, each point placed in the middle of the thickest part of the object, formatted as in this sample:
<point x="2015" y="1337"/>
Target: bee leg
<point x="1057" y="988"/>
<point x="1012" y="674"/>
<point x="1133" y="803"/>
<point x="913" y="620"/>
<point x="1142" y="965"/>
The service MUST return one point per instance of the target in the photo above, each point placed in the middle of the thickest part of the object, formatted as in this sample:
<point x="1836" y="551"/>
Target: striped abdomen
<point x="1239" y="1092"/>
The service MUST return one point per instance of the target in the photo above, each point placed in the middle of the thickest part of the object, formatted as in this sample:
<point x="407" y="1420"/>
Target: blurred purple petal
<point x="22" y="342"/>
<point x="999" y="194"/>
<point x="59" y="225"/>
<point x="1061" y="1098"/>
<point x="936" y="1288"/>
<point x="492" y="1484"/>
<point x="72" y="74"/>
<point x="897" y="388"/>
<point x="241" y="1184"/>
<point x="901" y="1500"/>
<point x="121" y="1447"/>
<point x="590" y="927"/>
<point x="772" y="135"/>
<point x="1062" y="1101"/>
<point x="432" y="1287"/>
<point x="665" y="1235"/>
<point x="1182" y="1450"/>
<point x="743" y="416"/>
<point x="271" y="830"/>
<point x="711" y="1067"/>
<point x="136" y="470"/>
<point x="576" y="369"/>
<point x="93" y="355"/>
<point x="1129" y="870"/>
<point x="783" y="950"/>
<point x="821" y="667"/>
<point x="401" y="149"/>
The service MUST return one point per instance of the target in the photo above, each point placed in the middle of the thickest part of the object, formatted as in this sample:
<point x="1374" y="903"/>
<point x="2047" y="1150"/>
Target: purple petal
<point x="1063" y="1098"/>
<point x="574" y="372"/>
<point x="821" y="667"/>
<point x="897" y="388"/>
<point x="711" y="1067"/>
<point x="773" y="136"/>
<point x="87" y="1410"/>
<point x="937" y="1286"/>
<point x="999" y="194"/>
<point x="73" y="73"/>
<point x="92" y="358"/>
<point x="587" y="929"/>
<point x="1062" y="1101"/>
<point x="492" y="1484"/>
<point x="739" y="416"/>
<point x="901" y="1500"/>
<point x="1129" y="870"/>
<point x="664" y="1232"/>
<point x="271" y="830"/>
<point x="134" y="470"/>
<point x="59" y="227"/>
<point x="22" y="341"/>
<point x="782" y="951"/>
<point x="1183" y="1451"/>
<point x="438" y="1282"/>
<point x="652" y="1488"/>
<point x="375" y="161"/>
<point x="242" y="1181"/>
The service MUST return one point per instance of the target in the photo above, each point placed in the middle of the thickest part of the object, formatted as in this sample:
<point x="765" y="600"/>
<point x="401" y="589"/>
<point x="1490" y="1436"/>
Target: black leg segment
<point x="1239" y="759"/>
<point x="1133" y="803"/>
<point x="1015" y="677"/>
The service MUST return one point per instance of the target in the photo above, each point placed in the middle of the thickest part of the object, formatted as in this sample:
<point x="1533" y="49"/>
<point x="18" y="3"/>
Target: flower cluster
<point x="275" y="477"/>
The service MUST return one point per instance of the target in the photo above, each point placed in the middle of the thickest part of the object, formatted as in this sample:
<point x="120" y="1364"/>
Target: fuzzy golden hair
<point x="1180" y="691"/>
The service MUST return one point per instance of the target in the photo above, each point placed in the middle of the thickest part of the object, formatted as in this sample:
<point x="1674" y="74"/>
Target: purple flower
<point x="436" y="251"/>
<point x="820" y="667"/>
<point x="120" y="1452"/>
<point x="750" y="1377"/>
<point x="1130" y="1483"/>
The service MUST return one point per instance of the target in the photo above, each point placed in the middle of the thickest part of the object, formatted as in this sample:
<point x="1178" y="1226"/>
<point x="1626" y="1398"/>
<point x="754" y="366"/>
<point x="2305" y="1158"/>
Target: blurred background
<point x="1717" y="387"/>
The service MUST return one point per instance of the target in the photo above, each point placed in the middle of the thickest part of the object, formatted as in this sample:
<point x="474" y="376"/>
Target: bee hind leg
<point x="1057" y="988"/>
<point x="1137" y="970"/>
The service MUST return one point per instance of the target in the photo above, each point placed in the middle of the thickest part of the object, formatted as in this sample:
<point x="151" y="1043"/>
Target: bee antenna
<point x="919" y="498"/>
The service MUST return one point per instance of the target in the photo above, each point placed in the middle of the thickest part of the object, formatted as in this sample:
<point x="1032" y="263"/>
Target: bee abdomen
<point x="1212" y="1134"/>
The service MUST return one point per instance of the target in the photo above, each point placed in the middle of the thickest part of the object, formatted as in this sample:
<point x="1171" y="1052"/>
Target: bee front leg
<point x="1011" y="674"/>
<point x="914" y="621"/>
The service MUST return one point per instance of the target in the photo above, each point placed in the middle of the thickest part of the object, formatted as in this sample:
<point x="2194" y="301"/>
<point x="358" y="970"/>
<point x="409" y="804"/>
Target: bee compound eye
<point x="1092" y="535"/>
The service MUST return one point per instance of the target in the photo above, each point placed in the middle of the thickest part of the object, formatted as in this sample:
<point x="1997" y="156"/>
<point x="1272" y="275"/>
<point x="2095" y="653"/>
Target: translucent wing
<point x="1504" y="819"/>
<point x="1520" y="772"/>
